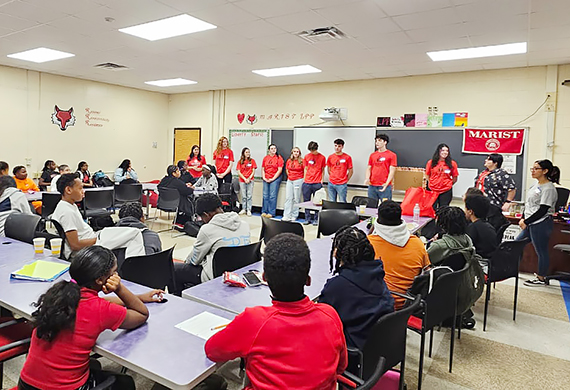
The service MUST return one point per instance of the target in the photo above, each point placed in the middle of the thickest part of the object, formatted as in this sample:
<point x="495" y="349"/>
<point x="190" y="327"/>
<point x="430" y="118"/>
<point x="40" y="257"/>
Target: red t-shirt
<point x="223" y="159"/>
<point x="290" y="345"/>
<point x="64" y="362"/>
<point x="480" y="181"/>
<point x="271" y="164"/>
<point x="194" y="162"/>
<point x="246" y="168"/>
<point x="441" y="177"/>
<point x="338" y="168"/>
<point x="295" y="169"/>
<point x="380" y="163"/>
<point x="314" y="163"/>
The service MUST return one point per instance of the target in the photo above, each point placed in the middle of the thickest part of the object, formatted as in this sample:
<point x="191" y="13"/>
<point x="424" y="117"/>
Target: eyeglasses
<point x="536" y="169"/>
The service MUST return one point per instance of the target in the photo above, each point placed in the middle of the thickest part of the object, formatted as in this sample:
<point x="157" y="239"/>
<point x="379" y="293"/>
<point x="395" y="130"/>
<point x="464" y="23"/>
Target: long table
<point x="33" y="196"/>
<point x="368" y="211"/>
<point x="157" y="350"/>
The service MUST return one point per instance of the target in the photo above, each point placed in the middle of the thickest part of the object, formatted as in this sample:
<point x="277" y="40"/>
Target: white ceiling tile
<point x="394" y="8"/>
<point x="438" y="33"/>
<point x="496" y="24"/>
<point x="35" y="13"/>
<point x="279" y="41"/>
<point x="549" y="5"/>
<point x="15" y="23"/>
<point x="489" y="38"/>
<point x="257" y="28"/>
<point x="356" y="29"/>
<point x="225" y="15"/>
<point x="366" y="11"/>
<point x="547" y="33"/>
<point x="190" y="6"/>
<point x="428" y="19"/>
<point x="385" y="41"/>
<point x="491" y="9"/>
<point x="548" y="19"/>
<point x="300" y="21"/>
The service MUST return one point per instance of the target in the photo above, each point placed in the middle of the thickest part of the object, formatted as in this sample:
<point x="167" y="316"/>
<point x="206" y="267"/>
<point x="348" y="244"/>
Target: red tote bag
<point x="421" y="196"/>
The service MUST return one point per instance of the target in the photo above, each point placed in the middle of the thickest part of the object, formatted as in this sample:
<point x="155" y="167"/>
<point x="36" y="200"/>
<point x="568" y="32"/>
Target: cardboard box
<point x="406" y="179"/>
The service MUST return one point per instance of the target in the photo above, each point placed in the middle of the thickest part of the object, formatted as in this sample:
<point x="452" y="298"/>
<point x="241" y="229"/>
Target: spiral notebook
<point x="40" y="271"/>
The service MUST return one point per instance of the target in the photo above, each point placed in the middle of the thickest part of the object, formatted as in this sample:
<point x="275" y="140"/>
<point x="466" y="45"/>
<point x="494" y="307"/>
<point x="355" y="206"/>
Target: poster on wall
<point x="63" y="118"/>
<point x="488" y="140"/>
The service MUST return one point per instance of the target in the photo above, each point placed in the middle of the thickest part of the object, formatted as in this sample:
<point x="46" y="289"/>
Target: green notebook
<point x="41" y="271"/>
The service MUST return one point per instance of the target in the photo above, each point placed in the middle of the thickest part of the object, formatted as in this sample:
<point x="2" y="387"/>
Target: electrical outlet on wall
<point x="155" y="145"/>
<point x="28" y="162"/>
<point x="550" y="105"/>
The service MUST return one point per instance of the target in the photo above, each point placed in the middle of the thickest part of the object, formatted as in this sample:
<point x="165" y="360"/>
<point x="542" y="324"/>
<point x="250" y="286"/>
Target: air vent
<point x="321" y="34"/>
<point x="111" y="66"/>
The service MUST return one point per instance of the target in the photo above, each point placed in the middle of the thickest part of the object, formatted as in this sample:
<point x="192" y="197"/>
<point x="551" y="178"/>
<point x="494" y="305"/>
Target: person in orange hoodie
<point x="25" y="184"/>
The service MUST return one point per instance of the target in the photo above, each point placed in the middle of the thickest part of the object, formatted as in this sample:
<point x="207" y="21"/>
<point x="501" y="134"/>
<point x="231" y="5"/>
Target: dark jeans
<point x="225" y="179"/>
<point x="308" y="189"/>
<point x="539" y="234"/>
<point x="187" y="275"/>
<point x="444" y="199"/>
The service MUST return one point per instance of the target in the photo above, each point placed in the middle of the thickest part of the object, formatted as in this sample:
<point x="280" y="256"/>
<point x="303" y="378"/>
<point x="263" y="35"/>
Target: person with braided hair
<point x="358" y="293"/>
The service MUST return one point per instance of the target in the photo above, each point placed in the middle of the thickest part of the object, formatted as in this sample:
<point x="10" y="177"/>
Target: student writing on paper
<point x="293" y="344"/>
<point x="70" y="317"/>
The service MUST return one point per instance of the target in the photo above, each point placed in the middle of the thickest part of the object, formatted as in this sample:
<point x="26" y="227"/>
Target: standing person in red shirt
<point x="295" y="172"/>
<point x="223" y="161"/>
<point x="70" y="317"/>
<point x="246" y="167"/>
<point x="340" y="171"/>
<point x="271" y="169"/>
<point x="441" y="174"/>
<point x="293" y="344"/>
<point x="195" y="162"/>
<point x="381" y="170"/>
<point x="314" y="164"/>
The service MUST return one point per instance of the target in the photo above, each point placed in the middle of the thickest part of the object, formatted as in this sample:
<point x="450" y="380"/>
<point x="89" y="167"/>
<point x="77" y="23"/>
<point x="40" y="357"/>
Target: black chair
<point x="348" y="381"/>
<point x="272" y="227"/>
<point x="97" y="202"/>
<point x="225" y="194"/>
<point x="333" y="219"/>
<point x="387" y="339"/>
<point x="564" y="248"/>
<point x="49" y="203"/>
<point x="22" y="227"/>
<point x="563" y="194"/>
<point x="230" y="258"/>
<point x="168" y="201"/>
<point x="154" y="271"/>
<point x="363" y="200"/>
<point x="60" y="233"/>
<point x="501" y="232"/>
<point x="128" y="193"/>
<point x="327" y="205"/>
<point x="14" y="340"/>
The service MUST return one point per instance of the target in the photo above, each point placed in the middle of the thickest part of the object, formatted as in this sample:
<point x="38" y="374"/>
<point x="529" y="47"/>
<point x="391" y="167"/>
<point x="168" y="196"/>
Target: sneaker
<point x="249" y="213"/>
<point x="269" y="215"/>
<point x="315" y="223"/>
<point x="263" y="214"/>
<point x="242" y="212"/>
<point x="536" y="282"/>
<point x="285" y="219"/>
<point x="307" y="222"/>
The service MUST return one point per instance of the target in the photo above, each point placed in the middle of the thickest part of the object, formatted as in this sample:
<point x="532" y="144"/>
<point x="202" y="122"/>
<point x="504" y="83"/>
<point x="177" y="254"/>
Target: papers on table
<point x="203" y="325"/>
<point x="41" y="271"/>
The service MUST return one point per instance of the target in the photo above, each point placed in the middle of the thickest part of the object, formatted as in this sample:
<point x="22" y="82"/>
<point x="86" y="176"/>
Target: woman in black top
<point x="185" y="176"/>
<point x="172" y="180"/>
<point x="48" y="173"/>
<point x="84" y="174"/>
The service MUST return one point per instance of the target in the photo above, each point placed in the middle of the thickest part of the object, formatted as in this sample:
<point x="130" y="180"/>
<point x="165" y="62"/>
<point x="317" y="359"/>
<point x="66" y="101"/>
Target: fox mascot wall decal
<point x="63" y="118"/>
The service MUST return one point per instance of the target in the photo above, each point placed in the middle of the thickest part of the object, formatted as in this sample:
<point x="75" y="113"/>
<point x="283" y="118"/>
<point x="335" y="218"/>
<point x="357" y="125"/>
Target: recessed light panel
<point x="478" y="52"/>
<point x="287" y="71"/>
<point x="167" y="28"/>
<point x="41" y="54"/>
<point x="170" y="82"/>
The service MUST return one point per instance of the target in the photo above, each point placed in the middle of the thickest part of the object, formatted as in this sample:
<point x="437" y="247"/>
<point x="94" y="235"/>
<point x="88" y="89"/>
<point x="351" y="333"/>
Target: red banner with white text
<point x="487" y="141"/>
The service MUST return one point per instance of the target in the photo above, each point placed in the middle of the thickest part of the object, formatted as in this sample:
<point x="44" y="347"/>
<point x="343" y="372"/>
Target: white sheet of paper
<point x="201" y="325"/>
<point x="510" y="163"/>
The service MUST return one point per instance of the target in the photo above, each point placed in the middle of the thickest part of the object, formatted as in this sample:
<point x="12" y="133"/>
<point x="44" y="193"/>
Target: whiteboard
<point x="465" y="180"/>
<point x="256" y="140"/>
<point x="358" y="144"/>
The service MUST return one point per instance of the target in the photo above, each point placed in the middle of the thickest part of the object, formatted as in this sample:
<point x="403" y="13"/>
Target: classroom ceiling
<point x="384" y="38"/>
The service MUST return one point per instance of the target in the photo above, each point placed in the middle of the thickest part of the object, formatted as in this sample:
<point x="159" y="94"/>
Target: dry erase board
<point x="256" y="140"/>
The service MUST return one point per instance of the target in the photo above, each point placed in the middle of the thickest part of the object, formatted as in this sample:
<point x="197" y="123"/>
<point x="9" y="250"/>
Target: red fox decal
<point x="62" y="118"/>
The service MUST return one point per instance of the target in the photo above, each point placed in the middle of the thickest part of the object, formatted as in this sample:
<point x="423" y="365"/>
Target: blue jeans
<point x="337" y="189"/>
<point x="375" y="193"/>
<point x="270" y="191"/>
<point x="246" y="190"/>
<point x="292" y="199"/>
<point x="539" y="234"/>
<point x="308" y="190"/>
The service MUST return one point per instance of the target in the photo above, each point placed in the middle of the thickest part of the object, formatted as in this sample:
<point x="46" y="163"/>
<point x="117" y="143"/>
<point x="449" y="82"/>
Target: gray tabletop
<point x="368" y="212"/>
<point x="157" y="350"/>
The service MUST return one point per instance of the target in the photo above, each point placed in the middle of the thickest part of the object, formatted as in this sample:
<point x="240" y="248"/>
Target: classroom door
<point x="183" y="140"/>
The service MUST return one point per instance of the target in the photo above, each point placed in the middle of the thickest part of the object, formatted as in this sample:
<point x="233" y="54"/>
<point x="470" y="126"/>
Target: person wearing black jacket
<point x="185" y="176"/>
<point x="482" y="233"/>
<point x="172" y="180"/>
<point x="358" y="293"/>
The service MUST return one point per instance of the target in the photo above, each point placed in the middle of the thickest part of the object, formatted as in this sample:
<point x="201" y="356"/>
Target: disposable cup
<point x="362" y="208"/>
<point x="55" y="246"/>
<point x="39" y="243"/>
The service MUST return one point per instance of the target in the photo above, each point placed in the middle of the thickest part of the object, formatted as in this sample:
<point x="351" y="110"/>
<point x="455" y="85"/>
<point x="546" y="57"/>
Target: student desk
<point x="369" y="212"/>
<point x="157" y="350"/>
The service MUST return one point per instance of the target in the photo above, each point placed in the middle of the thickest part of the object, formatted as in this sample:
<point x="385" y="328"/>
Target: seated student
<point x="11" y="201"/>
<point x="131" y="215"/>
<point x="482" y="233"/>
<point x="208" y="181"/>
<point x="172" y="180"/>
<point x="69" y="318"/>
<point x="48" y="173"/>
<point x="84" y="174"/>
<point x="185" y="176"/>
<point x="78" y="233"/>
<point x="404" y="255"/>
<point x="4" y="168"/>
<point x="220" y="229"/>
<point x="25" y="184"/>
<point x="454" y="225"/>
<point x="358" y="293"/>
<point x="126" y="172"/>
<point x="293" y="344"/>
<point x="63" y="169"/>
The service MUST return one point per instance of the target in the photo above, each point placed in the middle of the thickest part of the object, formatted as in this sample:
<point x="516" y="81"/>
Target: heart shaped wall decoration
<point x="240" y="118"/>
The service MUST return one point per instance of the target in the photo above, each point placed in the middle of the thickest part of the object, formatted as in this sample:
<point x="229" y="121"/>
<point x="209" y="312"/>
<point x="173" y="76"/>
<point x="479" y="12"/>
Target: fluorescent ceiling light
<point x="167" y="28"/>
<point x="478" y="52"/>
<point x="287" y="71"/>
<point x="170" y="82"/>
<point x="41" y="54"/>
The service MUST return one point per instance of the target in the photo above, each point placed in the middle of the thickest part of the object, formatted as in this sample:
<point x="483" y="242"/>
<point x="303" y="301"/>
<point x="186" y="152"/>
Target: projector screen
<point x="358" y="144"/>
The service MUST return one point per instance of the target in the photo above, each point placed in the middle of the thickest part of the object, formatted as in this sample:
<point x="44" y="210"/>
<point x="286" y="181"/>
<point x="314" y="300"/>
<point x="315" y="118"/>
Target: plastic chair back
<point x="504" y="263"/>
<point x="128" y="192"/>
<point x="272" y="227"/>
<point x="99" y="199"/>
<point x="563" y="194"/>
<point x="333" y="219"/>
<point x="49" y="203"/>
<point x="442" y="299"/>
<point x="501" y="232"/>
<point x="327" y="204"/>
<point x="22" y="227"/>
<point x="363" y="200"/>
<point x="154" y="271"/>
<point x="230" y="258"/>
<point x="168" y="199"/>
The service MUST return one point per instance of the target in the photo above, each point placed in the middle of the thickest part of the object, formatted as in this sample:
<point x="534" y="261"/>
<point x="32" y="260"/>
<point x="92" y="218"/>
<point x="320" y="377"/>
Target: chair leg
<point x="1" y="375"/>
<point x="487" y="297"/>
<point x="402" y="370"/>
<point x="421" y="368"/>
<point x="459" y="328"/>
<point x="516" y="295"/>
<point x="430" y="341"/>
<point x="452" y="342"/>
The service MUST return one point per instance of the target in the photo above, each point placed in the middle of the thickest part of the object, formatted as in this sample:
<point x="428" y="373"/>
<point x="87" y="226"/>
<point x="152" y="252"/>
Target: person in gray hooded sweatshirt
<point x="220" y="229"/>
<point x="454" y="225"/>
<point x="12" y="200"/>
<point x="131" y="215"/>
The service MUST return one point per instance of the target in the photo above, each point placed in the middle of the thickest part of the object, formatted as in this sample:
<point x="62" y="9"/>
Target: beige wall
<point x="136" y="119"/>
<point x="562" y="129"/>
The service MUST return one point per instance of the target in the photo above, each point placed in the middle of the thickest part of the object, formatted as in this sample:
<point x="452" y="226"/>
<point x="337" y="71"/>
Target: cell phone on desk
<point x="252" y="279"/>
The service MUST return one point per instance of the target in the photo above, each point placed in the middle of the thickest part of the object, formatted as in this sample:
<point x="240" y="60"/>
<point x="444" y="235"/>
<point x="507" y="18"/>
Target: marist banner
<point x="487" y="141"/>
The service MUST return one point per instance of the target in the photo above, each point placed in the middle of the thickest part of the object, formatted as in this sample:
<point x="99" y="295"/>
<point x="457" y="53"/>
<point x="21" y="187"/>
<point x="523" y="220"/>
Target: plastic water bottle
<point x="417" y="213"/>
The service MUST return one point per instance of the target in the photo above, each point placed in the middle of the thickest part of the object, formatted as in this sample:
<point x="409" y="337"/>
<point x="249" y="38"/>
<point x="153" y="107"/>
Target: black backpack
<point x="102" y="180"/>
